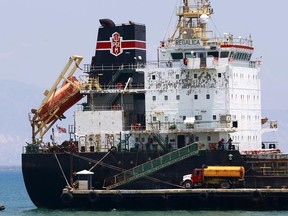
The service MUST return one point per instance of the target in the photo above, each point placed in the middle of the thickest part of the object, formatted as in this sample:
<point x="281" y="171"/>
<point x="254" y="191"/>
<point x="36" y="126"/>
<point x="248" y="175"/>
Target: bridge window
<point x="237" y="56"/>
<point x="177" y="55"/>
<point x="240" y="56"/>
<point x="190" y="55"/>
<point x="248" y="56"/>
<point x="213" y="54"/>
<point x="224" y="54"/>
<point x="245" y="56"/>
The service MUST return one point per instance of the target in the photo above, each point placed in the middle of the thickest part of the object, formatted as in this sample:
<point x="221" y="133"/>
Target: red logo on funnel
<point x="116" y="47"/>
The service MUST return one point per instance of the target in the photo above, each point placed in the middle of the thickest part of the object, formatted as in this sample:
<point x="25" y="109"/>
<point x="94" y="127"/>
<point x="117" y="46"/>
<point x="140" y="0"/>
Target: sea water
<point x="14" y="197"/>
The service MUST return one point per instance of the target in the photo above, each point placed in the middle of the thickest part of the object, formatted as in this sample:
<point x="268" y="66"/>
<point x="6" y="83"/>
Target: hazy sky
<point x="37" y="37"/>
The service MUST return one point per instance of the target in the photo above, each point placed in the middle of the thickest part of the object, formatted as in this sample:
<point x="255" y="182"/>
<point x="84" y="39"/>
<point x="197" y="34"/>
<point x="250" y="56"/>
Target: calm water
<point x="14" y="196"/>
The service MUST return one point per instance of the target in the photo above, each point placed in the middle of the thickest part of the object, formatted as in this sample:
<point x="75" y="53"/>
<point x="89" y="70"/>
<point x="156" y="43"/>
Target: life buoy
<point x="256" y="195"/>
<point x="137" y="126"/>
<point x="66" y="198"/>
<point x="93" y="197"/>
<point x="118" y="85"/>
<point x="203" y="196"/>
<point x="117" y="198"/>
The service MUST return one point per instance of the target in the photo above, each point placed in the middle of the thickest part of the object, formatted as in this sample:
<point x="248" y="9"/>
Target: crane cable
<point x="170" y="20"/>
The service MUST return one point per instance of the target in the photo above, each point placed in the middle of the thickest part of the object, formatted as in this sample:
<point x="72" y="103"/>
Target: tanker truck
<point x="218" y="176"/>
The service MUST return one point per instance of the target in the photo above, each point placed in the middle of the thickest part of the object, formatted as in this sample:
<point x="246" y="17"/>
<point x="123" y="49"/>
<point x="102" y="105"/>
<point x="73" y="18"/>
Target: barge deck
<point x="176" y="199"/>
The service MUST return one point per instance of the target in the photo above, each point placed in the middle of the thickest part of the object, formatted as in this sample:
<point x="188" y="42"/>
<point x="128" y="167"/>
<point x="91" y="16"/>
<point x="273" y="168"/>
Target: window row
<point x="249" y="76"/>
<point x="241" y="56"/>
<point x="214" y="117"/>
<point x="195" y="76"/>
<point x="233" y="97"/>
<point x="242" y="97"/>
<point x="166" y="97"/>
<point x="234" y="138"/>
<point x="178" y="97"/>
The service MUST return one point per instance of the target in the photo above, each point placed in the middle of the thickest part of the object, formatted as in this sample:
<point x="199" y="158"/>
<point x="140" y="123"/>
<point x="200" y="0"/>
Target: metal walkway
<point x="149" y="167"/>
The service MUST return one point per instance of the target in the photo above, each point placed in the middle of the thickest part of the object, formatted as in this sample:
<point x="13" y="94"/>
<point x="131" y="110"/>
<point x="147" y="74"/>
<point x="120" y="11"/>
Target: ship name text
<point x="187" y="42"/>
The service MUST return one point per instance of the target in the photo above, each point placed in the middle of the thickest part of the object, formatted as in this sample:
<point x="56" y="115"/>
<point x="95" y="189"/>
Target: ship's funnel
<point x="107" y="23"/>
<point x="118" y="47"/>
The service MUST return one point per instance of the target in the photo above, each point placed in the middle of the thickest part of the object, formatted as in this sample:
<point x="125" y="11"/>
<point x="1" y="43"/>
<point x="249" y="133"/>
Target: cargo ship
<point x="146" y="124"/>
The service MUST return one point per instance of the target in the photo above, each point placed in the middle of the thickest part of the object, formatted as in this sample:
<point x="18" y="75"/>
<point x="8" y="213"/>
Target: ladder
<point x="149" y="167"/>
<point x="159" y="140"/>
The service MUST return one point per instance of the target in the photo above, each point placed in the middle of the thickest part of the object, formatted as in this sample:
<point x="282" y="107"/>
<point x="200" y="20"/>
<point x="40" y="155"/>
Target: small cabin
<point x="85" y="180"/>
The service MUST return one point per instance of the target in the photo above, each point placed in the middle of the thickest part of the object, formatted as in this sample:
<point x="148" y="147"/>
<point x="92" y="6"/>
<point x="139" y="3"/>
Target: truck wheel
<point x="188" y="184"/>
<point x="225" y="185"/>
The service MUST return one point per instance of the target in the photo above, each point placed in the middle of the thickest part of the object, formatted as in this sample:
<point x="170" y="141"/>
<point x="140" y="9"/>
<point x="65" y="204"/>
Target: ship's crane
<point x="192" y="22"/>
<point x="64" y="93"/>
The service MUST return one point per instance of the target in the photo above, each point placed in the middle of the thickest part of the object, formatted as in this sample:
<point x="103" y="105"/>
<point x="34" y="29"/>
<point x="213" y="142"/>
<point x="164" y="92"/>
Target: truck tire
<point x="225" y="185"/>
<point x="188" y="184"/>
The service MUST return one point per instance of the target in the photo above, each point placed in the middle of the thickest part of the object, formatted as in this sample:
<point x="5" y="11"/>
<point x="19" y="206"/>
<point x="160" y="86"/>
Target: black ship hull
<point x="44" y="179"/>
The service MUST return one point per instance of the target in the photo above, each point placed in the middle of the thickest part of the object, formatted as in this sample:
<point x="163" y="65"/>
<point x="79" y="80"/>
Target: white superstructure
<point x="201" y="89"/>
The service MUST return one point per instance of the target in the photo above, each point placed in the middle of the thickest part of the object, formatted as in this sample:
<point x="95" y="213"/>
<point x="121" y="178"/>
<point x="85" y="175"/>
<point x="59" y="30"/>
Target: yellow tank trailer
<point x="219" y="176"/>
<point x="224" y="171"/>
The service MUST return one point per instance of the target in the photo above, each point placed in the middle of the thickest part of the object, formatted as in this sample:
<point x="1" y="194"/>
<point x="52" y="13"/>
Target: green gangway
<point x="149" y="167"/>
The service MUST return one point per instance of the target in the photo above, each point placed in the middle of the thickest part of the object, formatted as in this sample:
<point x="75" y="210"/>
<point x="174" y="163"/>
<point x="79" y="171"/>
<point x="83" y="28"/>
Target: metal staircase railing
<point x="115" y="76"/>
<point x="149" y="167"/>
<point x="111" y="99"/>
<point x="159" y="140"/>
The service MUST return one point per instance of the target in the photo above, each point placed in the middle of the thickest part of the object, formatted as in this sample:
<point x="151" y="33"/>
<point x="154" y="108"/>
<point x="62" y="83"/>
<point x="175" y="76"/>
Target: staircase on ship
<point x="151" y="166"/>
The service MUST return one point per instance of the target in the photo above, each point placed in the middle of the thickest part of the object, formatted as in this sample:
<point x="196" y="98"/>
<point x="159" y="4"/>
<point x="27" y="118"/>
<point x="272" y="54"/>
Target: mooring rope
<point x="99" y="161"/>
<point x="62" y="170"/>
